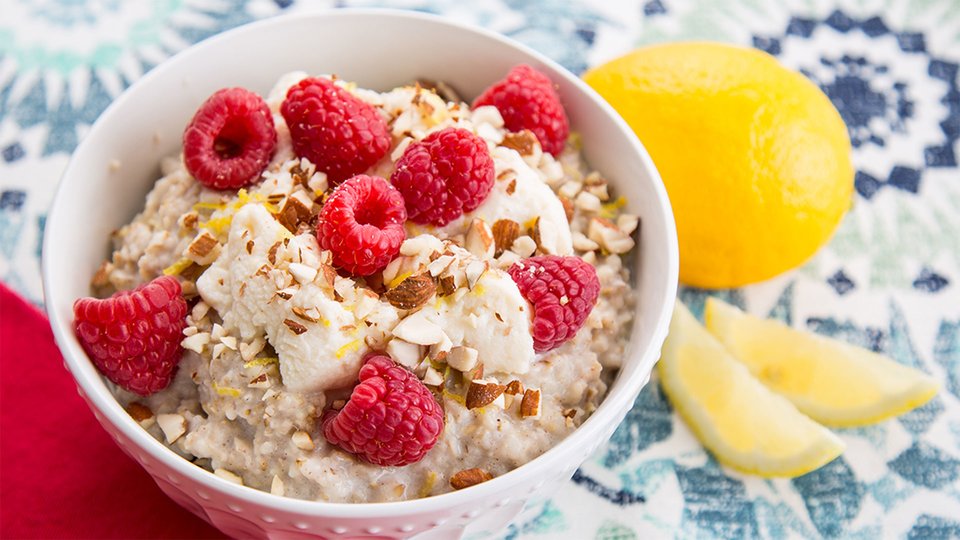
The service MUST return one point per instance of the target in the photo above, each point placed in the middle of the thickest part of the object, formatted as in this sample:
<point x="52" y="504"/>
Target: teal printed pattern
<point x="887" y="281"/>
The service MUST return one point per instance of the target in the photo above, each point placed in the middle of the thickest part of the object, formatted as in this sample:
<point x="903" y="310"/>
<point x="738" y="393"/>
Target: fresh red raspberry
<point x="134" y="337"/>
<point x="230" y="139"/>
<point x="362" y="224"/>
<point x="446" y="174"/>
<point x="562" y="291"/>
<point x="527" y="99"/>
<point x="338" y="132"/>
<point x="391" y="419"/>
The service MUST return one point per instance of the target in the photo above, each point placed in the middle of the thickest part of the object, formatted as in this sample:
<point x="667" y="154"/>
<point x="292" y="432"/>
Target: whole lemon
<point x="755" y="158"/>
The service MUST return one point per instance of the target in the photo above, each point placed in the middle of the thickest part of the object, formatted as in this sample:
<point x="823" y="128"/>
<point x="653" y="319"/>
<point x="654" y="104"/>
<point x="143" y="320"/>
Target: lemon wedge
<point x="744" y="424"/>
<point x="835" y="383"/>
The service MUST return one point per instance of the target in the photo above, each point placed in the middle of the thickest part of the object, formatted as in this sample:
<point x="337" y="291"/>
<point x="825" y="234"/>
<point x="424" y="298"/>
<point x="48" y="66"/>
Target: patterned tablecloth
<point x="888" y="280"/>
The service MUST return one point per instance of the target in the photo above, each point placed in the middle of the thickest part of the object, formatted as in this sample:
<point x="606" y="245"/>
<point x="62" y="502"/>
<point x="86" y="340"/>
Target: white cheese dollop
<point x="326" y="355"/>
<point x="531" y="198"/>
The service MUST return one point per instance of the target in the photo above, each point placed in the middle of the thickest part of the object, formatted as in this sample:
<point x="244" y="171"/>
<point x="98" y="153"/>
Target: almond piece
<point x="260" y="381"/>
<point x="326" y="275"/>
<point x="229" y="476"/>
<point x="462" y="359"/>
<point x="628" y="223"/>
<point x="469" y="477"/>
<point x="229" y="342"/>
<point x="293" y="213"/>
<point x="609" y="236"/>
<point x="505" y="231"/>
<point x="199" y="311"/>
<point x="524" y="142"/>
<point x="203" y="249"/>
<point x="189" y="220"/>
<point x="272" y="252"/>
<point x="597" y="185"/>
<point x="514" y="388"/>
<point x="534" y="233"/>
<point x="582" y="243"/>
<point x="524" y="246"/>
<point x="172" y="425"/>
<point x="412" y="292"/>
<point x="446" y="286"/>
<point x="418" y="329"/>
<point x="302" y="273"/>
<point x="482" y="393"/>
<point x="102" y="277"/>
<point x="251" y="349"/>
<point x="479" y="240"/>
<point x="404" y="353"/>
<point x="567" y="207"/>
<point x="530" y="406"/>
<point x="570" y="189"/>
<point x="440" y="264"/>
<point x="139" y="411"/>
<point x="432" y="377"/>
<point x="276" y="486"/>
<point x="474" y="272"/>
<point x="309" y="315"/>
<point x="196" y="342"/>
<point x="302" y="440"/>
<point x="588" y="202"/>
<point x="295" y="327"/>
<point x="439" y="351"/>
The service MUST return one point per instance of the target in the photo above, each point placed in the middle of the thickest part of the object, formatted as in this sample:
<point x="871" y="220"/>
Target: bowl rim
<point x="618" y="398"/>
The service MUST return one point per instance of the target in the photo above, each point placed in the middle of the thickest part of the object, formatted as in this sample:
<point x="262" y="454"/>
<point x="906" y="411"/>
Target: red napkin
<point x="61" y="476"/>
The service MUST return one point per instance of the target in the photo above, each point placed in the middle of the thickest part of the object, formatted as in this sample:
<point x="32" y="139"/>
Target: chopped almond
<point x="483" y="393"/>
<point x="530" y="406"/>
<point x="469" y="477"/>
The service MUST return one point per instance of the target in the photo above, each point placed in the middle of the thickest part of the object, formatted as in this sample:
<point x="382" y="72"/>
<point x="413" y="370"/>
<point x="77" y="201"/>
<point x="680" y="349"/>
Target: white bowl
<point x="117" y="162"/>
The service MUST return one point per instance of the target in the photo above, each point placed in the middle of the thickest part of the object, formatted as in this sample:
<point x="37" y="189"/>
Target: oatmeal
<point x="310" y="283"/>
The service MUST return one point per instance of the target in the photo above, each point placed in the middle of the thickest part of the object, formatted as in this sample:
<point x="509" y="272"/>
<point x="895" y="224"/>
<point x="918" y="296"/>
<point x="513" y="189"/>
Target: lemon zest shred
<point x="262" y="361"/>
<point x="272" y="208"/>
<point x="217" y="225"/>
<point x="427" y="486"/>
<point x="610" y="209"/>
<point x="478" y="290"/>
<point x="455" y="397"/>
<point x="397" y="280"/>
<point x="349" y="347"/>
<point x="225" y="390"/>
<point x="325" y="322"/>
<point x="209" y="206"/>
<point x="177" y="267"/>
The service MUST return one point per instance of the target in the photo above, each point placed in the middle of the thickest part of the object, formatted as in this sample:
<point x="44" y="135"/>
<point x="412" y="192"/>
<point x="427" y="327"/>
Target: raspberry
<point x="562" y="290"/>
<point x="362" y="224"/>
<point x="391" y="419"/>
<point x="340" y="134"/>
<point x="444" y="175"/>
<point x="133" y="337"/>
<point x="526" y="99"/>
<point x="230" y="139"/>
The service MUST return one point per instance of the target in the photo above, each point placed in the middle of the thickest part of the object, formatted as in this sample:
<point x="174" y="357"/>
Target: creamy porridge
<point x="276" y="330"/>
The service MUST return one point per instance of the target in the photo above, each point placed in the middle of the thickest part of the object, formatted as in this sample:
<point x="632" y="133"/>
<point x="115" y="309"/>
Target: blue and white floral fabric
<point x="888" y="280"/>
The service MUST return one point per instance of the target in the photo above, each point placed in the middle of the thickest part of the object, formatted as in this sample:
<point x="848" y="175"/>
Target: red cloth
<point x="61" y="475"/>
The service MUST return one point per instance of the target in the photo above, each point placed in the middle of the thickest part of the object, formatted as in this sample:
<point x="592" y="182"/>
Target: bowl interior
<point x="118" y="161"/>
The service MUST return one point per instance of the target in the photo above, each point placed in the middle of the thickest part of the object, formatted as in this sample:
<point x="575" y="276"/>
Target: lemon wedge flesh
<point x="835" y="383"/>
<point x="744" y="424"/>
